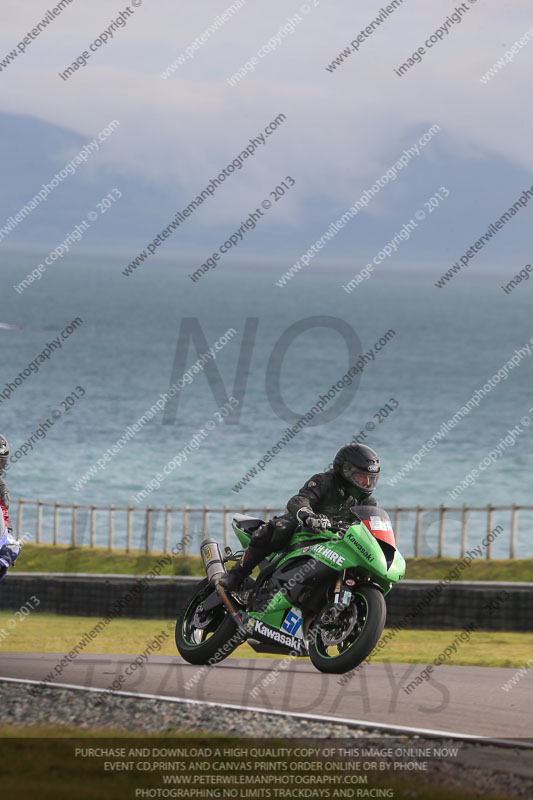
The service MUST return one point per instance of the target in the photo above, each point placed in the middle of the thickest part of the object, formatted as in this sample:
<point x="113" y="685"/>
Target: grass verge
<point x="52" y="633"/>
<point x="62" y="558"/>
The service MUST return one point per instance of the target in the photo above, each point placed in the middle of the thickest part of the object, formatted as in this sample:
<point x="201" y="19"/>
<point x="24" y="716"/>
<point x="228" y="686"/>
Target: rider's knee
<point x="282" y="530"/>
<point x="262" y="535"/>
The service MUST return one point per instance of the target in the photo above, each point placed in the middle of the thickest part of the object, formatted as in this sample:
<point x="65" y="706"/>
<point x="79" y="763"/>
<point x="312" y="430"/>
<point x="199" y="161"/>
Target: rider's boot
<point x="251" y="557"/>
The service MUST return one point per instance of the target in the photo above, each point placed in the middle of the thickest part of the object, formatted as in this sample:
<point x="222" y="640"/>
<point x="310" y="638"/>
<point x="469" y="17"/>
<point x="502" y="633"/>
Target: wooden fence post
<point x="464" y="530"/>
<point x="489" y="529"/>
<point x="111" y="527"/>
<point x="185" y="532"/>
<point x="92" y="524"/>
<point x="514" y="528"/>
<point x="56" y="523"/>
<point x="148" y="529"/>
<point x="39" y="521"/>
<point x="441" y="530"/>
<point x="226" y="526"/>
<point x="418" y="530"/>
<point x="74" y="524"/>
<point x="128" y="528"/>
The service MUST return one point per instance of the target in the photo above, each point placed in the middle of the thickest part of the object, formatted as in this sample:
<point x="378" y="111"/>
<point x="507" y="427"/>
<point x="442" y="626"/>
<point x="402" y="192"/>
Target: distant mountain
<point x="32" y="152"/>
<point x="481" y="189"/>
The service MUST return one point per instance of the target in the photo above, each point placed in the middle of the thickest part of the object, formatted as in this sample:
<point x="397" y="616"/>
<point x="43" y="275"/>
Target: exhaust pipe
<point x="214" y="566"/>
<point x="215" y="569"/>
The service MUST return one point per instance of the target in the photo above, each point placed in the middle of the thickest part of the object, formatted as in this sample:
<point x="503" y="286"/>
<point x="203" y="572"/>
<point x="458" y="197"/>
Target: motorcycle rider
<point x="9" y="547"/>
<point x="327" y="494"/>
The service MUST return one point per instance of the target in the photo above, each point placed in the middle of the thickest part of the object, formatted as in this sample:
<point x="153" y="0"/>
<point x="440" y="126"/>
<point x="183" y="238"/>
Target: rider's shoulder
<point x="320" y="479"/>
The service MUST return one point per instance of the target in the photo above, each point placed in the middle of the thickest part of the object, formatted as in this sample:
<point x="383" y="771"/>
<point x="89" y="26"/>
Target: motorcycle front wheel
<point x="340" y="639"/>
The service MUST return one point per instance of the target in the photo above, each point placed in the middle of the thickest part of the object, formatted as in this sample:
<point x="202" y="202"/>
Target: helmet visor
<point x="365" y="481"/>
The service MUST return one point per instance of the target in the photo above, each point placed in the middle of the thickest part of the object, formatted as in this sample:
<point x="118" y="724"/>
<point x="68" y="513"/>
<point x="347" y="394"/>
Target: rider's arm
<point x="308" y="497"/>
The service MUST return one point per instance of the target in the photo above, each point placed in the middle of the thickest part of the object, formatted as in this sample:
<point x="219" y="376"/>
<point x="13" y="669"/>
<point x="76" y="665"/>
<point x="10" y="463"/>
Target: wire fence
<point x="493" y="531"/>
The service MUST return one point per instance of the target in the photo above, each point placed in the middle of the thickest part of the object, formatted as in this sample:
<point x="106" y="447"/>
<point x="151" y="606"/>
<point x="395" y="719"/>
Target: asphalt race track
<point x="460" y="700"/>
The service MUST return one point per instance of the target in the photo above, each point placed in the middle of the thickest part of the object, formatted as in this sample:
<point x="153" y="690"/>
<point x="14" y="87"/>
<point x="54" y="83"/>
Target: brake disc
<point x="341" y="627"/>
<point x="199" y="619"/>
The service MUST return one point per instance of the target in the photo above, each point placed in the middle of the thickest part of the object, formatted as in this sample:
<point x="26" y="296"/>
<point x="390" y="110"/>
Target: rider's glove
<point x="315" y="522"/>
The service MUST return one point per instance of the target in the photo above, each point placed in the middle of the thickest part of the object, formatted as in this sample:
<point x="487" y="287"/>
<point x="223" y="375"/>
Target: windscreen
<point x="378" y="523"/>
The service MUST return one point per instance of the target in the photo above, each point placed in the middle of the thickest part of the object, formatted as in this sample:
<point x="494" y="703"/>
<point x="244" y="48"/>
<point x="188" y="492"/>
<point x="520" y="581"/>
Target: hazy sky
<point x="342" y="126"/>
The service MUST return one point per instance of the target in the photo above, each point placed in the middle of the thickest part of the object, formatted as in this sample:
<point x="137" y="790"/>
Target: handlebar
<point x="335" y="527"/>
<point x="340" y="526"/>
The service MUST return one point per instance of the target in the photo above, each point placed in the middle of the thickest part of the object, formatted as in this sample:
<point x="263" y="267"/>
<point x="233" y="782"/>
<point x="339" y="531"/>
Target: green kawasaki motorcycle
<point x="322" y="596"/>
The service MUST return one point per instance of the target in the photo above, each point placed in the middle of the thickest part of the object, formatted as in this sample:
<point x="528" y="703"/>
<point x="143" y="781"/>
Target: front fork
<point x="342" y="597"/>
<point x="343" y="591"/>
<point x="338" y="585"/>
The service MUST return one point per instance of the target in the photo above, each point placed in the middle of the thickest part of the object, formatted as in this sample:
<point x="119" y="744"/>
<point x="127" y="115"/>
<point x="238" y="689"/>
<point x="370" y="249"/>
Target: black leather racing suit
<point x="324" y="493"/>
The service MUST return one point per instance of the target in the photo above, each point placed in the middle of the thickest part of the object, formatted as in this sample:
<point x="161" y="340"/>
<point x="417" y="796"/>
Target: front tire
<point x="337" y="645"/>
<point x="209" y="637"/>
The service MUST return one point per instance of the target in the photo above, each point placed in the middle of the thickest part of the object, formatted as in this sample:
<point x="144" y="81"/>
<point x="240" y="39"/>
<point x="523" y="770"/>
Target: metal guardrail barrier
<point x="153" y="529"/>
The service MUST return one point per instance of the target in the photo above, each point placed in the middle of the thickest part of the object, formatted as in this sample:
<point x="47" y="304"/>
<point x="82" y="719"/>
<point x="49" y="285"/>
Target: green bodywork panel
<point x="357" y="548"/>
<point x="274" y="612"/>
<point x="243" y="537"/>
<point x="397" y="568"/>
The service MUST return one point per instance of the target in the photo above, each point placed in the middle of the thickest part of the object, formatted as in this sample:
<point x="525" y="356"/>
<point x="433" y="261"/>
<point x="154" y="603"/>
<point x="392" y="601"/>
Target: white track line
<point x="467" y="737"/>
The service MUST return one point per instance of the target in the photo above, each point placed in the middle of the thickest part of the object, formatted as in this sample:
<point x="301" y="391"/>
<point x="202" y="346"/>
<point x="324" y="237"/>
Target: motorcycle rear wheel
<point x="337" y="646"/>
<point x="205" y="638"/>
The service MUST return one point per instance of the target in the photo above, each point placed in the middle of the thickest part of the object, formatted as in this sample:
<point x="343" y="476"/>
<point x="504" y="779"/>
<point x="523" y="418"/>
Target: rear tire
<point x="359" y="642"/>
<point x="212" y="642"/>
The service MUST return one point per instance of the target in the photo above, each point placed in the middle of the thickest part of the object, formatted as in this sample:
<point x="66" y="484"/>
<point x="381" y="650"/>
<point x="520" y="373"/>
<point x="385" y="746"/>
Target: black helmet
<point x="4" y="453"/>
<point x="358" y="466"/>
